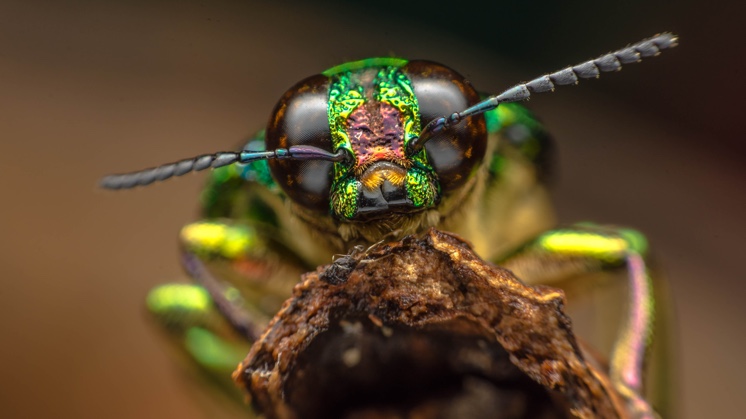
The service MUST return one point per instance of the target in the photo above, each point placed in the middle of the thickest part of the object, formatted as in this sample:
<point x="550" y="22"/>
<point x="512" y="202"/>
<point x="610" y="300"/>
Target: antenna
<point x="219" y="159"/>
<point x="590" y="69"/>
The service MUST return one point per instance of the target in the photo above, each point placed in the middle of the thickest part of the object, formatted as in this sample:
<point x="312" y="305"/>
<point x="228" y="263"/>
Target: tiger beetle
<point x="375" y="150"/>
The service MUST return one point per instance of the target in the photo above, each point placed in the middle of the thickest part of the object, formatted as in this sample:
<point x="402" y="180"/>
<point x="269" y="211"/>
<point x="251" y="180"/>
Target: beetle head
<point x="371" y="110"/>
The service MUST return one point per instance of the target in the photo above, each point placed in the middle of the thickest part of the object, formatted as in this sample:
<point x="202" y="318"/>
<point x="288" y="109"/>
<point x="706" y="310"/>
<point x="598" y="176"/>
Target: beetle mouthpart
<point x="383" y="187"/>
<point x="383" y="171"/>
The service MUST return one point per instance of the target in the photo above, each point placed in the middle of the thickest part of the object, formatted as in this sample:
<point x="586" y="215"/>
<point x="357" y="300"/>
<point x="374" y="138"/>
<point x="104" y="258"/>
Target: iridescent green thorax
<point x="374" y="114"/>
<point x="366" y="63"/>
<point x="519" y="127"/>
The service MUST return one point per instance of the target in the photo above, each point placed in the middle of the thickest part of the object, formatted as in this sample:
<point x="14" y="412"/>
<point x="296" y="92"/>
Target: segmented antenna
<point x="219" y="159"/>
<point x="590" y="69"/>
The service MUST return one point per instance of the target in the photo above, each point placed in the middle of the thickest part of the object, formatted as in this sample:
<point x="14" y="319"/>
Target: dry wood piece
<point x="422" y="328"/>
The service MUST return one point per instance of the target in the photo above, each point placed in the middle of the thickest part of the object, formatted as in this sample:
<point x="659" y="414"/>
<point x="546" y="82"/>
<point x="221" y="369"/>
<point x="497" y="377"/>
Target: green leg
<point x="227" y="300"/>
<point x="241" y="280"/>
<point x="570" y="254"/>
<point x="245" y="258"/>
<point x="200" y="335"/>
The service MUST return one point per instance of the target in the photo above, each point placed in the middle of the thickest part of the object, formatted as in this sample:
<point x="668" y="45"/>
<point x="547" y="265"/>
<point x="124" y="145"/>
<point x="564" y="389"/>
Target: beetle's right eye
<point x="300" y="118"/>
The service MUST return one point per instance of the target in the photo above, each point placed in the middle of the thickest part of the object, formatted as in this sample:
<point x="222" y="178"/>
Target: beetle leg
<point x="241" y="280"/>
<point x="226" y="299"/>
<point x="199" y="331"/>
<point x="261" y="270"/>
<point x="567" y="254"/>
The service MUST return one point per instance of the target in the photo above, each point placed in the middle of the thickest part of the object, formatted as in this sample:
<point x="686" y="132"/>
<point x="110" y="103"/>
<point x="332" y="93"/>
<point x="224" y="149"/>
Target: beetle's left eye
<point x="300" y="118"/>
<point x="440" y="91"/>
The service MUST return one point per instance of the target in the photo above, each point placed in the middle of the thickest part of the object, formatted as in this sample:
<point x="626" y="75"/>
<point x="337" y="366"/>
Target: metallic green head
<point x="373" y="109"/>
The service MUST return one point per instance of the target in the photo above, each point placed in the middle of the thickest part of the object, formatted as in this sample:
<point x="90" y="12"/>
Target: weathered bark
<point x="422" y="328"/>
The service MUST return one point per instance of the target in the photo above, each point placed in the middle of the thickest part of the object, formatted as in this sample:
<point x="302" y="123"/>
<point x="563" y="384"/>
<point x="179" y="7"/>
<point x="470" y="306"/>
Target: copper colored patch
<point x="376" y="133"/>
<point x="383" y="171"/>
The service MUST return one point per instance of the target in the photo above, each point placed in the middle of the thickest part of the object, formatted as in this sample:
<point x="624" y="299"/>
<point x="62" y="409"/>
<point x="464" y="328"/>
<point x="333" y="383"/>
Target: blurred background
<point x="93" y="87"/>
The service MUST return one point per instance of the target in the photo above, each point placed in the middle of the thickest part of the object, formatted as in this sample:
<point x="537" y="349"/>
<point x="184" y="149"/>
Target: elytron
<point x="375" y="150"/>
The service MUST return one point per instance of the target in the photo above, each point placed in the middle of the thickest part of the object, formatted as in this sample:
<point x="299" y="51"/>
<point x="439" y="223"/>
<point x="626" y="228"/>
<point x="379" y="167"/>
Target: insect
<point x="375" y="150"/>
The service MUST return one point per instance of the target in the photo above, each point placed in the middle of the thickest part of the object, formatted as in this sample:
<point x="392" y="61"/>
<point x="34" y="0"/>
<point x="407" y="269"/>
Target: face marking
<point x="373" y="114"/>
<point x="376" y="133"/>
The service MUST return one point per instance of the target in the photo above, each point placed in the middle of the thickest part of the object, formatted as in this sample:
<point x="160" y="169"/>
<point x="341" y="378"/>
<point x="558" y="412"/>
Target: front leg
<point x="241" y="279"/>
<point x="570" y="255"/>
<point x="221" y="252"/>
<point x="201" y="337"/>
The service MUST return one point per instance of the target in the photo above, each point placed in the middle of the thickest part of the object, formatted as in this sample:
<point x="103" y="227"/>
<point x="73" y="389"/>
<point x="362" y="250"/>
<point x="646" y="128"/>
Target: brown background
<point x="89" y="88"/>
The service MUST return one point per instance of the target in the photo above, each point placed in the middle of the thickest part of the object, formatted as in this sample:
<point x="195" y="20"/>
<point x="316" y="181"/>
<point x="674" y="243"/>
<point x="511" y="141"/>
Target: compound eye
<point x="300" y="118"/>
<point x="440" y="91"/>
